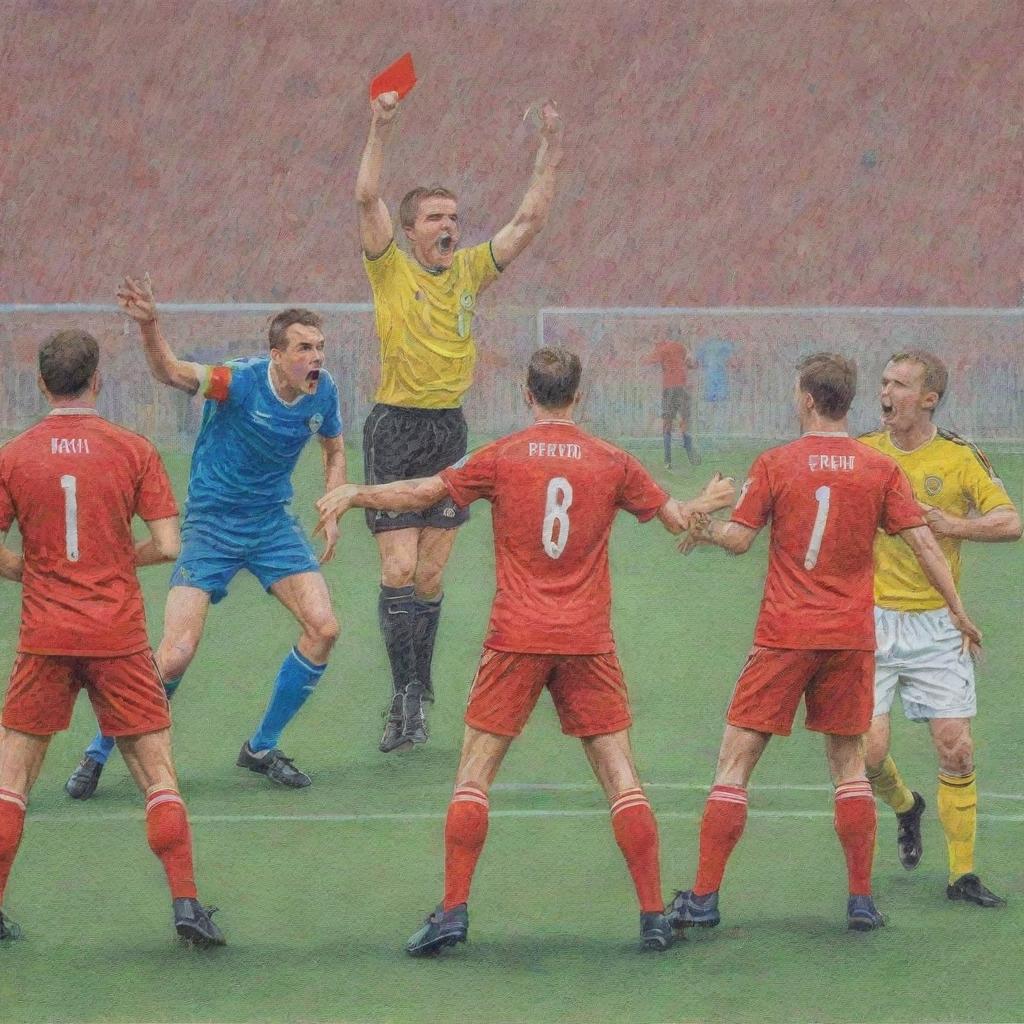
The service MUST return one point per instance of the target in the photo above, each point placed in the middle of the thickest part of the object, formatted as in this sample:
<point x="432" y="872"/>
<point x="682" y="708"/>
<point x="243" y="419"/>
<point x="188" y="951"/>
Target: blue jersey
<point x="250" y="439"/>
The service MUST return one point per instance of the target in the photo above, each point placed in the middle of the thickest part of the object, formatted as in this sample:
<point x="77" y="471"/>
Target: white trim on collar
<point x="825" y="433"/>
<point x="571" y="423"/>
<point x="69" y="410"/>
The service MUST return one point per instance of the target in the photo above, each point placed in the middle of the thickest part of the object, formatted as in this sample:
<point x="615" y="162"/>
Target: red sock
<point x="725" y="815"/>
<point x="170" y="839"/>
<point x="636" y="832"/>
<point x="856" y="823"/>
<point x="465" y="830"/>
<point x="12" y="822"/>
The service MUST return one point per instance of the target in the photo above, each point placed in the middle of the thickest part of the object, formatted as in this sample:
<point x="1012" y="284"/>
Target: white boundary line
<point x="509" y="787"/>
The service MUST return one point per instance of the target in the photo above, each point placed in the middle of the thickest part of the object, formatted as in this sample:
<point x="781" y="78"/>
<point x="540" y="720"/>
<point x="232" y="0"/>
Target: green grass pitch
<point x="320" y="888"/>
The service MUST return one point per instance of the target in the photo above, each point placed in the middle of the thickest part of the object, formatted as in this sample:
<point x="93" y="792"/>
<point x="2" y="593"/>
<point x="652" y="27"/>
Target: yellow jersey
<point x="424" y="322"/>
<point x="947" y="473"/>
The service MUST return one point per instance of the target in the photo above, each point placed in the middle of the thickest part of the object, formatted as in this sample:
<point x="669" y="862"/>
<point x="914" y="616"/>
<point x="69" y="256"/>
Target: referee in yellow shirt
<point x="919" y="651"/>
<point x="424" y="303"/>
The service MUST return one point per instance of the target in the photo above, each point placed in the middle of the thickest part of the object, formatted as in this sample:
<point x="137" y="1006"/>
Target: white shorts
<point x="919" y="654"/>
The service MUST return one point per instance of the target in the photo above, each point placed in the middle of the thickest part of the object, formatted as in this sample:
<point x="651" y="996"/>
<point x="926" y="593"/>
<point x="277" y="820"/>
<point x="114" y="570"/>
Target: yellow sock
<point x="958" y="812"/>
<point x="888" y="785"/>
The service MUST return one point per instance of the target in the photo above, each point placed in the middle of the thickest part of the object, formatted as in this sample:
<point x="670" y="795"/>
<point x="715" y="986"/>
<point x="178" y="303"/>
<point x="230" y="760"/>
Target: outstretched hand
<point x="718" y="493"/>
<point x="940" y="523"/>
<point x="969" y="632"/>
<point x="136" y="299"/>
<point x="329" y="528"/>
<point x="697" y="535"/>
<point x="332" y="506"/>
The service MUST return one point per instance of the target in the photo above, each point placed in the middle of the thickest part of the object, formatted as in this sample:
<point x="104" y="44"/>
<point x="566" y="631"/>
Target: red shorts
<point x="127" y="693"/>
<point x="838" y="688"/>
<point x="588" y="691"/>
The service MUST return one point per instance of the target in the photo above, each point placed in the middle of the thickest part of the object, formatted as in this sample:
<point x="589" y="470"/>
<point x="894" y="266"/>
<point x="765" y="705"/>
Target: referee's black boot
<point x="414" y="711"/>
<point x="394" y="737"/>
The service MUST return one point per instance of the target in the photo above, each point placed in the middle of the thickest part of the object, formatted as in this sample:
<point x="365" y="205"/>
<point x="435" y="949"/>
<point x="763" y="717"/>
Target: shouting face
<point x="435" y="232"/>
<point x="297" y="366"/>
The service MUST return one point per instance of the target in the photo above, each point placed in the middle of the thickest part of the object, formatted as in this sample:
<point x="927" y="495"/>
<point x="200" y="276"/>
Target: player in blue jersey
<point x="259" y="414"/>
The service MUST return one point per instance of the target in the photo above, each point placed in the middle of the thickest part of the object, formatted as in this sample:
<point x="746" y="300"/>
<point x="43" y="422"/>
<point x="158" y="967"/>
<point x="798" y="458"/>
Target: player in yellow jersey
<point x="919" y="650"/>
<point x="424" y="302"/>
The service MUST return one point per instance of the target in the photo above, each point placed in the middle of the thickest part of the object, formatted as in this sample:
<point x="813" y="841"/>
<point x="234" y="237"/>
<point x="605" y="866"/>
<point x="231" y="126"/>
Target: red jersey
<point x="674" y="360"/>
<point x="73" y="482"/>
<point x="825" y="500"/>
<point x="554" y="491"/>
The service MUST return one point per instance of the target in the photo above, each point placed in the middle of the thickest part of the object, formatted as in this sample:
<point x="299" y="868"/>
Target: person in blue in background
<point x="258" y="416"/>
<point x="714" y="356"/>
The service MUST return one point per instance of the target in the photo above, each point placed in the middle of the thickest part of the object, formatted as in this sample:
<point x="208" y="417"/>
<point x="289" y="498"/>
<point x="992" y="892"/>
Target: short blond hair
<point x="936" y="376"/>
<point x="410" y="205"/>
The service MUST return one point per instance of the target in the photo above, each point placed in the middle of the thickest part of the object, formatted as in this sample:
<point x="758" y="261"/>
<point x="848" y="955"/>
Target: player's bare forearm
<point x="335" y="469"/>
<point x="147" y="553"/>
<point x="1001" y="524"/>
<point x="532" y="215"/>
<point x="732" y="537"/>
<point x="399" y="496"/>
<point x="162" y="545"/>
<point x="135" y="297"/>
<point x="165" y="366"/>
<point x="335" y="477"/>
<point x="11" y="564"/>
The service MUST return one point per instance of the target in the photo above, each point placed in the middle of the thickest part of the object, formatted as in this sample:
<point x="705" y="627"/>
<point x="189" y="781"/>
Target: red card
<point x="400" y="77"/>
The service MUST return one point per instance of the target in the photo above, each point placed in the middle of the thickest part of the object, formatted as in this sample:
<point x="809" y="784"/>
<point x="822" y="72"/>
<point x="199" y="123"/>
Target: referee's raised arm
<point x="375" y="228"/>
<point x="532" y="214"/>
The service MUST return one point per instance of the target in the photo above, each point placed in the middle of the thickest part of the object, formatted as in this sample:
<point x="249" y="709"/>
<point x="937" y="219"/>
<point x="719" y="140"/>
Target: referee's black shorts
<point x="400" y="443"/>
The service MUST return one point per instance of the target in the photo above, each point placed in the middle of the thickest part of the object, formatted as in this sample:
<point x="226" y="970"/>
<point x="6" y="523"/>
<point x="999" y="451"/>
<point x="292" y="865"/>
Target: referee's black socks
<point x="428" y="614"/>
<point x="396" y="612"/>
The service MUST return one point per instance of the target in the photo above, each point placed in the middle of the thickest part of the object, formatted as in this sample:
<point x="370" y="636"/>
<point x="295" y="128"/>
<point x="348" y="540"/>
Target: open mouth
<point x="887" y="410"/>
<point x="444" y="244"/>
<point x="313" y="376"/>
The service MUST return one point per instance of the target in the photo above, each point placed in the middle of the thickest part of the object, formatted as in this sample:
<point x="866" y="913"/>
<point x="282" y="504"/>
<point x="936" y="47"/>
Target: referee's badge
<point x="314" y="422"/>
<point x="932" y="485"/>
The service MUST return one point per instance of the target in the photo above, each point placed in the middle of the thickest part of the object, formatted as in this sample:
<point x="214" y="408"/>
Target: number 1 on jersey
<point x="556" y="511"/>
<point x="822" y="496"/>
<point x="69" y="485"/>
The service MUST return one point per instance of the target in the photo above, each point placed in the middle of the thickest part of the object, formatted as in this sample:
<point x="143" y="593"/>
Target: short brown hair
<point x="67" y="361"/>
<point x="410" y="205"/>
<point x="282" y="321"/>
<point x="936" y="376"/>
<point x="831" y="380"/>
<point x="553" y="377"/>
